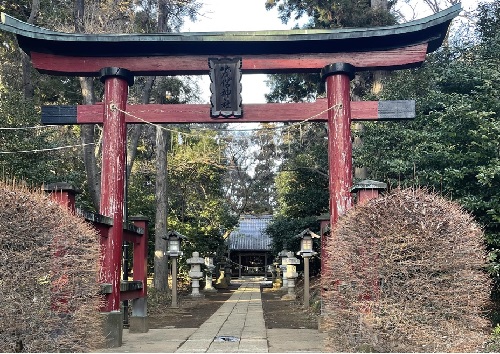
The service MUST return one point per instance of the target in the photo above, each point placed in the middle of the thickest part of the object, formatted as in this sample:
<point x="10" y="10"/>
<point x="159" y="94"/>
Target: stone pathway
<point x="237" y="326"/>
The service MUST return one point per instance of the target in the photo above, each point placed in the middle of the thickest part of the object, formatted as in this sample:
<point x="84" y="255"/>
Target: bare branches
<point x="49" y="273"/>
<point x="406" y="275"/>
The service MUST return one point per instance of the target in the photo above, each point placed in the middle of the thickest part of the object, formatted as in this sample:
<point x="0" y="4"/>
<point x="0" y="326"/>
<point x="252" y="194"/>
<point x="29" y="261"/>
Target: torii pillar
<point x="338" y="77"/>
<point x="116" y="82"/>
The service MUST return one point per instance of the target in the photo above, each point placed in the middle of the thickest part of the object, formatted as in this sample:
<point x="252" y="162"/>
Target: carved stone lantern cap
<point x="195" y="259"/>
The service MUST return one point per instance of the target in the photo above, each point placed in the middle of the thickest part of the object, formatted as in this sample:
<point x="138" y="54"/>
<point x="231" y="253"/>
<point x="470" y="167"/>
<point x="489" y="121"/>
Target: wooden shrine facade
<point x="336" y="54"/>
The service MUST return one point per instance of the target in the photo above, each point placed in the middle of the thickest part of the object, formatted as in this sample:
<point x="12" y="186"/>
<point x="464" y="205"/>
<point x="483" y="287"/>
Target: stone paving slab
<point x="295" y="340"/>
<point x="240" y="316"/>
<point x="243" y="324"/>
<point x="163" y="340"/>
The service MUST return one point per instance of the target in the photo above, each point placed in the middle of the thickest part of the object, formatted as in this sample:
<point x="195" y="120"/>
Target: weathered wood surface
<point x="200" y="113"/>
<point x="399" y="58"/>
<point x="113" y="183"/>
<point x="392" y="47"/>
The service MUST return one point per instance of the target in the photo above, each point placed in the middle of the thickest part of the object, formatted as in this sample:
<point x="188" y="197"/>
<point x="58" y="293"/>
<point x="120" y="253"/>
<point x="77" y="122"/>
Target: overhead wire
<point x="113" y="107"/>
<point x="284" y="127"/>
<point x="44" y="150"/>
<point x="27" y="128"/>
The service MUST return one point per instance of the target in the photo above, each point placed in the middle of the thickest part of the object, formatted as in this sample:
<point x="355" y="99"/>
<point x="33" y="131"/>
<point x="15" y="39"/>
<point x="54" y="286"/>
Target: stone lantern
<point x="174" y="240"/>
<point x="210" y="267"/>
<point x="306" y="251"/>
<point x="282" y="266"/>
<point x="228" y="271"/>
<point x="195" y="273"/>
<point x="291" y="274"/>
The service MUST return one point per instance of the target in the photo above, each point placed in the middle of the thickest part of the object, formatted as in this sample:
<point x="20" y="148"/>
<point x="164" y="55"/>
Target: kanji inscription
<point x="225" y="76"/>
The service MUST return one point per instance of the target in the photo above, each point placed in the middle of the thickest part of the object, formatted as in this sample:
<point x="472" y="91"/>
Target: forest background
<point x="198" y="179"/>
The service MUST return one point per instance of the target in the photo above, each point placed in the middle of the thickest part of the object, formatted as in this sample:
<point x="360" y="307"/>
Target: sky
<point x="237" y="15"/>
<point x="251" y="15"/>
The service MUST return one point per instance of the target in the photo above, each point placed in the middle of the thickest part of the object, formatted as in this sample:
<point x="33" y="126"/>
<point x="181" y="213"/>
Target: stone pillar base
<point x="112" y="329"/>
<point x="138" y="324"/>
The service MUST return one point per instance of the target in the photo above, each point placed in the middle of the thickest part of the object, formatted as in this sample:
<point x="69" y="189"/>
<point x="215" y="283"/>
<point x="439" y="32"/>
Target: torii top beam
<point x="74" y="54"/>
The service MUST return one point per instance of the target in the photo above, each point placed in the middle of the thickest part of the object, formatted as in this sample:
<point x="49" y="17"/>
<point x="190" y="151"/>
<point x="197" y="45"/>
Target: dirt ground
<point x="192" y="313"/>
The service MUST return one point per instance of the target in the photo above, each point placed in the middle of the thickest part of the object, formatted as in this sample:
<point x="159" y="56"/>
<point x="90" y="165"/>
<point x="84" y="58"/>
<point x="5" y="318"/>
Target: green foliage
<point x="19" y="158"/>
<point x="453" y="144"/>
<point x="488" y="23"/>
<point x="284" y="229"/>
<point x="197" y="206"/>
<point x="302" y="182"/>
<point x="333" y="14"/>
<point x="294" y="87"/>
<point x="493" y="345"/>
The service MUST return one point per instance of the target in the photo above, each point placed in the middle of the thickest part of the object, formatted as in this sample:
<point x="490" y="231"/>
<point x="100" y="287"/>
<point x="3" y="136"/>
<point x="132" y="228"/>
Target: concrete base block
<point x="138" y="324"/>
<point x="113" y="329"/>
<point x="221" y="283"/>
<point x="289" y="297"/>
<point x="210" y="290"/>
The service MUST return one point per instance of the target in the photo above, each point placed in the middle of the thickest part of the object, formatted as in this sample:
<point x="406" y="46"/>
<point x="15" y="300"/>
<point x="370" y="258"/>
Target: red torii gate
<point x="337" y="54"/>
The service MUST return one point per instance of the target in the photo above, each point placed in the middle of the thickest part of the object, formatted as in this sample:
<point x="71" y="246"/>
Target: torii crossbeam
<point x="337" y="54"/>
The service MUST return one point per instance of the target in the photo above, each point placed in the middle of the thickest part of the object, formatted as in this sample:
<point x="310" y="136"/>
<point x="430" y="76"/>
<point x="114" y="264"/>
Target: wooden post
<point x="62" y="193"/>
<point x="239" y="265"/>
<point x="139" y="318"/>
<point x="367" y="189"/>
<point x="338" y="78"/>
<point x="174" y="282"/>
<point x="306" y="283"/>
<point x="116" y="82"/>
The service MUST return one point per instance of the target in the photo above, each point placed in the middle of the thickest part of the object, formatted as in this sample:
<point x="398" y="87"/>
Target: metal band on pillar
<point x="338" y="77"/>
<point x="116" y="82"/>
<point x="117" y="73"/>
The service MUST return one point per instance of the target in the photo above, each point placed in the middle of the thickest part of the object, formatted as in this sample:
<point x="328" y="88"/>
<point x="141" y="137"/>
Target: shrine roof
<point x="250" y="234"/>
<point x="431" y="30"/>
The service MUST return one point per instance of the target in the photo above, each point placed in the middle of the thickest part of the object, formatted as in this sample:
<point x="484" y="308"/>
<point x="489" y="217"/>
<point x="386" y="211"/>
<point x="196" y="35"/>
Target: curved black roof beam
<point x="427" y="33"/>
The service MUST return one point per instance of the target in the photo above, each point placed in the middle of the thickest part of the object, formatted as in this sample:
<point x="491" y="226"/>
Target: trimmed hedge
<point x="406" y="275"/>
<point x="48" y="276"/>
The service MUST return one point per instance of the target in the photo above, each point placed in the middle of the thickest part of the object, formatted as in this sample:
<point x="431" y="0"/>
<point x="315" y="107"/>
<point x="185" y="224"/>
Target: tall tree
<point x="198" y="207"/>
<point x="302" y="181"/>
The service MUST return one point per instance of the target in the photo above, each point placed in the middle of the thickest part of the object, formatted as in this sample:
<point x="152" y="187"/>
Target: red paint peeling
<point x="113" y="183"/>
<point x="339" y="152"/>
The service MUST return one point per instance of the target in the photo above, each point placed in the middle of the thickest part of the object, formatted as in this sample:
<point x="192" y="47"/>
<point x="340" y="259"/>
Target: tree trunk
<point x="87" y="134"/>
<point x="136" y="129"/>
<point x="28" y="87"/>
<point x="160" y="263"/>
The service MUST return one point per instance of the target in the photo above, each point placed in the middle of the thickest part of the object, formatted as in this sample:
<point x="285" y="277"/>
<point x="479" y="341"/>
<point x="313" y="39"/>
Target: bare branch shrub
<point x="48" y="276"/>
<point x="406" y="275"/>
